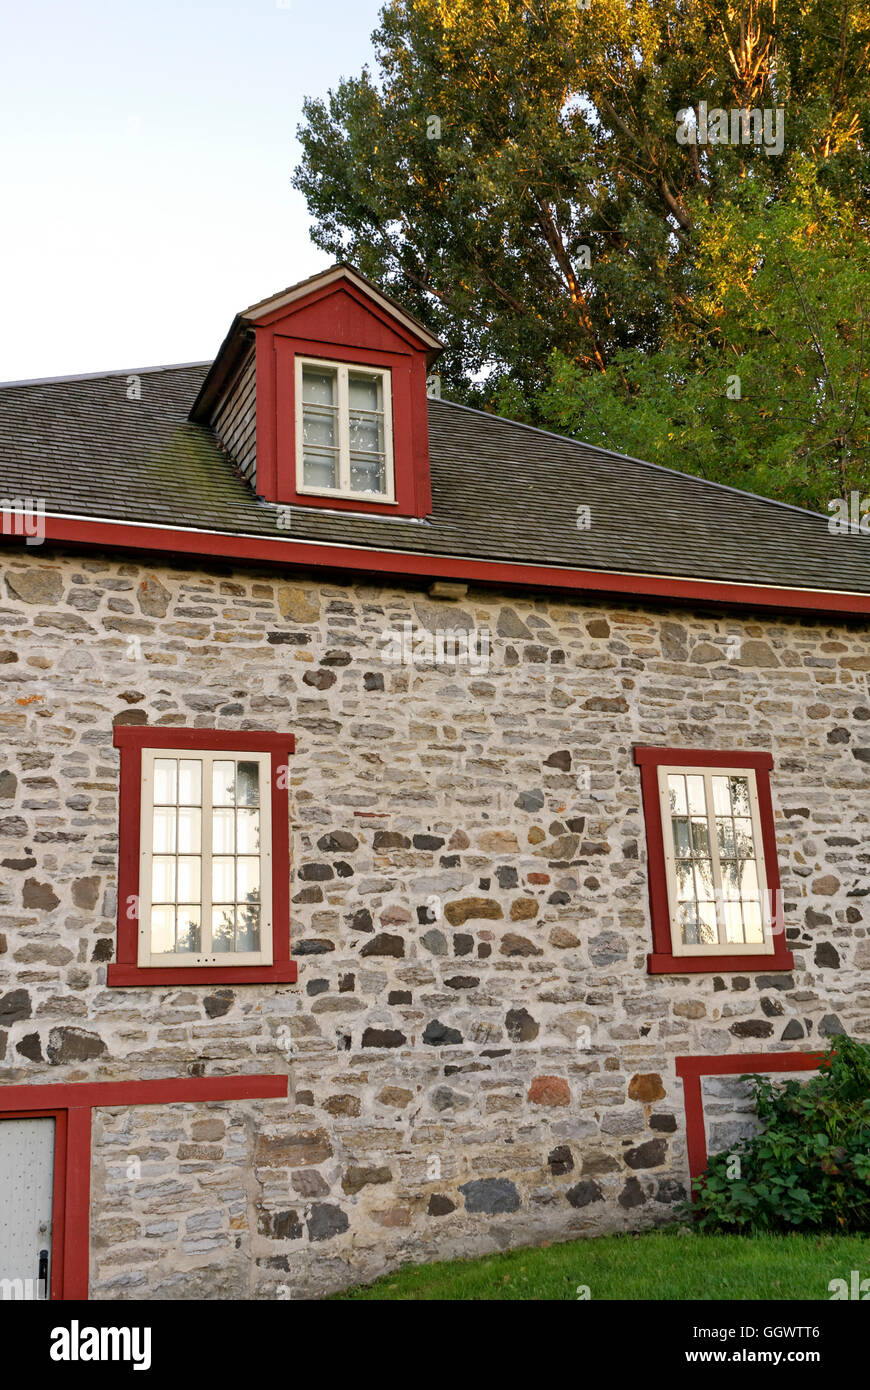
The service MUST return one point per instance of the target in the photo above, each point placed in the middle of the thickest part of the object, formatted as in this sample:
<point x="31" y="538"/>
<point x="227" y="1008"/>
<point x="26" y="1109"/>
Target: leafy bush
<point x="810" y="1168"/>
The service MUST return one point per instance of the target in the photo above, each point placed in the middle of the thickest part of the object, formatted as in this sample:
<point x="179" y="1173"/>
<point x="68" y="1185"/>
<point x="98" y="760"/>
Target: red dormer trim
<point x="340" y="321"/>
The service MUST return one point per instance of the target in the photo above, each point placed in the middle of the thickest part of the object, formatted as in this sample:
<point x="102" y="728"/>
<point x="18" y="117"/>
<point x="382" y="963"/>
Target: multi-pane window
<point x="714" y="860"/>
<point x="343" y="430"/>
<point x="206" y="845"/>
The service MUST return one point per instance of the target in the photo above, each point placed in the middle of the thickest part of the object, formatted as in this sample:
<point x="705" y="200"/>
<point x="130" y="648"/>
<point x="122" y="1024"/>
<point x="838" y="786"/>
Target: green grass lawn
<point x="659" y="1265"/>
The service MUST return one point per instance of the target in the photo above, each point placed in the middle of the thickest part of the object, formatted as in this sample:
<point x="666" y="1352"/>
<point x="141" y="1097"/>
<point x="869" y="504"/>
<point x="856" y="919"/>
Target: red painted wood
<point x="663" y="963"/>
<point x="662" y="960"/>
<point x="78" y="1203"/>
<point x="121" y="975"/>
<point x="171" y="1090"/>
<point x="131" y="739"/>
<point x="214" y="740"/>
<point x="338" y="322"/>
<point x="106" y="535"/>
<point x="692" y="1069"/>
<point x="71" y="1105"/>
<point x="703" y="757"/>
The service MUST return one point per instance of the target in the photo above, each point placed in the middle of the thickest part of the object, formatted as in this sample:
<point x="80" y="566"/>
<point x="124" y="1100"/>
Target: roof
<point x="501" y="491"/>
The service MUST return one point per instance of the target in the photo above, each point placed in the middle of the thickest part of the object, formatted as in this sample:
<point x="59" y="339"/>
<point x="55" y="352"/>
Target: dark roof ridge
<point x="629" y="458"/>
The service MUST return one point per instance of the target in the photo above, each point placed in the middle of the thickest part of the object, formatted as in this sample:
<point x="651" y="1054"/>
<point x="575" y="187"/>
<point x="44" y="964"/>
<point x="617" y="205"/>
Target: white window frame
<point x="207" y="757"/>
<point x="764" y="947"/>
<point x="345" y="490"/>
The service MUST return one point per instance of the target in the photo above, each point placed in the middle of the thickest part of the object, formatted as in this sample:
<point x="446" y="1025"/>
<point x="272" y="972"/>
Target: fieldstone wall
<point x="477" y="1056"/>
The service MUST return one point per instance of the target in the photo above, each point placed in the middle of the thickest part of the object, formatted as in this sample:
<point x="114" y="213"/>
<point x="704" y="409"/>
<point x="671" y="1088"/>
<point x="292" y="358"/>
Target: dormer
<point x="319" y="396"/>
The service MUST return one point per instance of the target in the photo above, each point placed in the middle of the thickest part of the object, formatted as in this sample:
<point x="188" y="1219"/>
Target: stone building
<point x="412" y="822"/>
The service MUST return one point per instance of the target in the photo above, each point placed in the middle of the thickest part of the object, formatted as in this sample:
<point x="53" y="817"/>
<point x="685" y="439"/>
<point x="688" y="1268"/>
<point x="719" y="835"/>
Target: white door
<point x="26" y="1180"/>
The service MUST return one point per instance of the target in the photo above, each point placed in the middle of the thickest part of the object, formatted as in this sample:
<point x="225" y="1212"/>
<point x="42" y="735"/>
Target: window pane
<point x="708" y="930"/>
<point x="190" y="782"/>
<point x="730" y="881"/>
<point x="247" y="880"/>
<point x="223" y="839"/>
<point x="740" y="795"/>
<point x="367" y="475"/>
<point x="319" y="469"/>
<point x="222" y="879"/>
<point x="189" y="830"/>
<point x="721" y="798"/>
<point x="366" y="434"/>
<point x="725" y="833"/>
<point x="697" y="800"/>
<point x="700" y="838"/>
<point x="318" y="429"/>
<point x="189" y="933"/>
<point x="318" y="385"/>
<point x="162" y="879"/>
<point x="223" y="928"/>
<point x="677" y="794"/>
<point x="743" y="839"/>
<point x="223" y="781"/>
<point x="165" y="781"/>
<point x="689" y="924"/>
<point x="733" y="923"/>
<point x="364" y="392"/>
<point x="189" y="875"/>
<point x="248" y="784"/>
<point x="681" y="837"/>
<point x="685" y="882"/>
<point x="704" y="880"/>
<point x="248" y="927"/>
<point x="162" y="930"/>
<point x="248" y="829"/>
<point x="163" y="839"/>
<point x="752" y="921"/>
<point x="749" y="881"/>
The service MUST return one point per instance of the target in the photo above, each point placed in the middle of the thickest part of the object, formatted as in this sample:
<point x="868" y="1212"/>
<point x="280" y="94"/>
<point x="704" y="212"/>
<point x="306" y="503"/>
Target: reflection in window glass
<point x="715" y="859"/>
<point x="176" y="870"/>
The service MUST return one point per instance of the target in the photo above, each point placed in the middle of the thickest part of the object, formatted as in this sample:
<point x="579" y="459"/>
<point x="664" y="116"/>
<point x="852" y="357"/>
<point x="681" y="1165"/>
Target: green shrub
<point x="810" y="1168"/>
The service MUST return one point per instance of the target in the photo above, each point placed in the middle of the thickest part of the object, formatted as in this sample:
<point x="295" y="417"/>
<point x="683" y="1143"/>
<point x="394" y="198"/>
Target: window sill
<point x="659" y="963"/>
<point x="143" y="976"/>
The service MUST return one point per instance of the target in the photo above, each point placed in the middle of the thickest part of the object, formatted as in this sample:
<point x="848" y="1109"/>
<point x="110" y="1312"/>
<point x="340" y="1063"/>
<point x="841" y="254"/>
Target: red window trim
<point x="71" y="1107"/>
<point x="692" y="1069"/>
<point x="410" y="464"/>
<point x="661" y="960"/>
<point x="126" y="971"/>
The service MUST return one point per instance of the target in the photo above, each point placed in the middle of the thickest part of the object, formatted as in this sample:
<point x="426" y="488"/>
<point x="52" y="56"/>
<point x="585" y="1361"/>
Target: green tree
<point x="512" y="174"/>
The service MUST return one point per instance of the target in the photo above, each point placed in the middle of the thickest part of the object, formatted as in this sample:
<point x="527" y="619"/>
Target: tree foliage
<point x="810" y="1168"/>
<point x="512" y="174"/>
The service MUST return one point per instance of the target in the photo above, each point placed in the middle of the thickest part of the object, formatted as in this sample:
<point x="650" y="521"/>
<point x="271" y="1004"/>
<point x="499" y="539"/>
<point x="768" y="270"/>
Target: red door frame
<point x="71" y="1106"/>
<point x="692" y="1069"/>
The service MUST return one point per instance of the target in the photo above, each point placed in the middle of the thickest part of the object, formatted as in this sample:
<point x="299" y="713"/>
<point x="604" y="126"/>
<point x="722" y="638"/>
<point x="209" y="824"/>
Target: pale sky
<point x="146" y="151"/>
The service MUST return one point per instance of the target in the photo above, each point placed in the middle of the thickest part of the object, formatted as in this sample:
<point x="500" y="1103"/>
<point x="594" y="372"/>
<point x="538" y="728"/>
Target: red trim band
<point x="305" y="555"/>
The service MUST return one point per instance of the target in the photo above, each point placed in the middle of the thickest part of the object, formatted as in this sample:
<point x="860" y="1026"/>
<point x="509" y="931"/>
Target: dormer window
<point x="344" y="435"/>
<point x="326" y="407"/>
